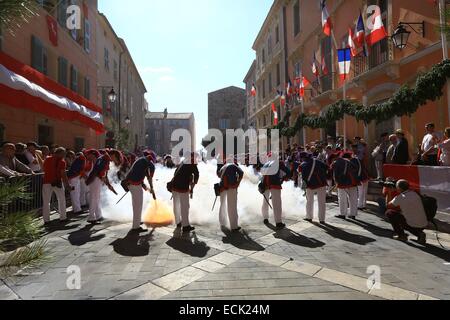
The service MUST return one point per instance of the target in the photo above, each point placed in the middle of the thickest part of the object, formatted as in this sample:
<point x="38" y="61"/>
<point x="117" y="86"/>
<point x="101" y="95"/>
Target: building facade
<point x="373" y="79"/>
<point x="60" y="61"/>
<point x="117" y="71"/>
<point x="249" y="81"/>
<point x="159" y="127"/>
<point x="227" y="109"/>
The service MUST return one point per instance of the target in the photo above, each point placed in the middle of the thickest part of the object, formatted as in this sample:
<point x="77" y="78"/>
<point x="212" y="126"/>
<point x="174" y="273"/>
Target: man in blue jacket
<point x="314" y="174"/>
<point x="363" y="178"/>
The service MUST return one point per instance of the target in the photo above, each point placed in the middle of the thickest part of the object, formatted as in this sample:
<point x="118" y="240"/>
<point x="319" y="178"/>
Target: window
<point x="106" y="58"/>
<point x="270" y="82"/>
<point x="104" y="100"/>
<point x="224" y="124"/>
<point x="45" y="135"/>
<point x="61" y="13"/>
<point x="79" y="144"/>
<point x="263" y="56"/>
<point x="264" y="89"/>
<point x="296" y="18"/>
<point x="326" y="47"/>
<point x="277" y="34"/>
<point x="278" y="74"/>
<point x="115" y="70"/>
<point x="269" y="44"/>
<point x="87" y="88"/>
<point x="87" y="35"/>
<point x="38" y="55"/>
<point x="62" y="71"/>
<point x="73" y="79"/>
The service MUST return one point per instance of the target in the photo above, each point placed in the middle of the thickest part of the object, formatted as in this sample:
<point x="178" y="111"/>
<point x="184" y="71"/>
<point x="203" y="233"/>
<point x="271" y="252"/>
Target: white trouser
<point x="363" y="189"/>
<point x="228" y="204"/>
<point x="379" y="166"/>
<point x="95" y="210"/>
<point x="329" y="187"/>
<point x="181" y="208"/>
<point x="321" y="199"/>
<point x="348" y="198"/>
<point x="47" y="191"/>
<point x="83" y="192"/>
<point x="75" y="193"/>
<point x="137" y="198"/>
<point x="276" y="204"/>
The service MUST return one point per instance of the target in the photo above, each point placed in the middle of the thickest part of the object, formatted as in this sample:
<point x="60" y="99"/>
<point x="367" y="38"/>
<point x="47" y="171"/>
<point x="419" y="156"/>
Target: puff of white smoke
<point x="249" y="199"/>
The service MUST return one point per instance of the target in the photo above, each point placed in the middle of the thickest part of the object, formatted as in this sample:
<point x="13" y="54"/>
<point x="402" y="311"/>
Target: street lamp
<point x="401" y="35"/>
<point x="127" y="120"/>
<point x="112" y="96"/>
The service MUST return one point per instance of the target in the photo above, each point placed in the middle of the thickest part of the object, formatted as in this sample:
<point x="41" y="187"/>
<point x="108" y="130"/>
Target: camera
<point x="388" y="184"/>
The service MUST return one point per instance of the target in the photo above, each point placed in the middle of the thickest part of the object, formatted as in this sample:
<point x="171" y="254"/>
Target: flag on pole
<point x="378" y="32"/>
<point x="253" y="92"/>
<point x="282" y="97"/>
<point x="315" y="70"/>
<point x="289" y="88"/>
<point x="360" y="32"/>
<point x="351" y="43"/>
<point x="344" y="59"/>
<point x="303" y="84"/>
<point x="324" y="66"/>
<point x="326" y="20"/>
<point x="275" y="114"/>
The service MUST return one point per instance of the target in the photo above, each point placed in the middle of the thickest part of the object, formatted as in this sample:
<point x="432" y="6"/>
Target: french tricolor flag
<point x="275" y="114"/>
<point x="378" y="32"/>
<point x="326" y="20"/>
<point x="303" y="84"/>
<point x="344" y="59"/>
<point x="315" y="70"/>
<point x="351" y="43"/>
<point x="360" y="32"/>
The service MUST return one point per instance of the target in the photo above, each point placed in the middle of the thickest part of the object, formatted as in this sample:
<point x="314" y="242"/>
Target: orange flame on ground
<point x="159" y="214"/>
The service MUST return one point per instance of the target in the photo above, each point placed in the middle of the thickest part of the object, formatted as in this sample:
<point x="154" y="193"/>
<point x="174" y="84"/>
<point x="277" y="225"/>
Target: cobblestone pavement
<point x="305" y="261"/>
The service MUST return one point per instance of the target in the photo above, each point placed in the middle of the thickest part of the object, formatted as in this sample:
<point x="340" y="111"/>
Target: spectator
<point x="444" y="148"/>
<point x="401" y="151"/>
<point x="34" y="159"/>
<point x="55" y="181"/>
<point x="390" y="151"/>
<point x="389" y="193"/>
<point x="429" y="148"/>
<point x="45" y="150"/>
<point x="362" y="148"/>
<point x="10" y="166"/>
<point x="406" y="212"/>
<point x="379" y="154"/>
<point x="20" y="153"/>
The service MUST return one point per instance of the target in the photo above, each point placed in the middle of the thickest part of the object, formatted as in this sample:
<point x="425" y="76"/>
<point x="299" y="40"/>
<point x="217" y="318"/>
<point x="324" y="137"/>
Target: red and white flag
<point x="315" y="69"/>
<point x="275" y="114"/>
<point x="253" y="92"/>
<point x="326" y="20"/>
<point x="324" y="67"/>
<point x="351" y="43"/>
<point x="376" y="29"/>
<point x="303" y="84"/>
<point x="52" y="30"/>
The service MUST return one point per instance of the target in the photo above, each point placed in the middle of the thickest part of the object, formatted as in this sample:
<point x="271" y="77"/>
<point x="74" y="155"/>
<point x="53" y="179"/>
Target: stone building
<point x="159" y="127"/>
<point x="249" y="81"/>
<point x="227" y="109"/>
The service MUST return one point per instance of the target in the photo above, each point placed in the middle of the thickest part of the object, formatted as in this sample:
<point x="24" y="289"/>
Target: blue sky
<point x="187" y="48"/>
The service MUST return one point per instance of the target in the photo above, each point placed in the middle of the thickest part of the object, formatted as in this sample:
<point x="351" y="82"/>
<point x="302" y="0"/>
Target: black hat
<point x="33" y="144"/>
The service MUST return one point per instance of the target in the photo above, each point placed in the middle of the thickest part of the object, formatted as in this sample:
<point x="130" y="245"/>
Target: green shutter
<point x="36" y="54"/>
<point x="62" y="71"/>
<point x="73" y="79"/>
<point x="87" y="88"/>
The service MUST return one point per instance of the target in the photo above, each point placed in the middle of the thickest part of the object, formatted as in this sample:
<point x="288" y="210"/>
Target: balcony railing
<point x="378" y="54"/>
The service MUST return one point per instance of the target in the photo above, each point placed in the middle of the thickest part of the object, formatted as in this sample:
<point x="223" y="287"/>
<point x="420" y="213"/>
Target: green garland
<point x="406" y="101"/>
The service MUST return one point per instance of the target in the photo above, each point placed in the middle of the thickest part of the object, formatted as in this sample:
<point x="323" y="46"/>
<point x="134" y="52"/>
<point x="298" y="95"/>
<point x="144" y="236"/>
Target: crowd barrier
<point x="431" y="181"/>
<point x="34" y="203"/>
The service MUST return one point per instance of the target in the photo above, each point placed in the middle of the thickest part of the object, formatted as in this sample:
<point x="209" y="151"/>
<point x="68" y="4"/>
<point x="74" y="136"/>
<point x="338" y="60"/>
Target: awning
<point x="23" y="87"/>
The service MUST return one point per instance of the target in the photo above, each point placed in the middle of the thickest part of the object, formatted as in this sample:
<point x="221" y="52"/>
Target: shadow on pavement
<point x="241" y="240"/>
<point x="191" y="246"/>
<point x="297" y="239"/>
<point x="133" y="245"/>
<point x="85" y="235"/>
<point x="378" y="231"/>
<point x="344" y="235"/>
<point x="56" y="226"/>
<point x="433" y="250"/>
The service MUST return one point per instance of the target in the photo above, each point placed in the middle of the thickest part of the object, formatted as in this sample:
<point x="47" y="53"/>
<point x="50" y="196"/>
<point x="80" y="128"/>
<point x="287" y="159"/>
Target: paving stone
<point x="302" y="267"/>
<point x="225" y="258"/>
<point x="147" y="291"/>
<point x="209" y="266"/>
<point x="393" y="293"/>
<point x="344" y="279"/>
<point x="269" y="258"/>
<point x="7" y="294"/>
<point x="180" y="278"/>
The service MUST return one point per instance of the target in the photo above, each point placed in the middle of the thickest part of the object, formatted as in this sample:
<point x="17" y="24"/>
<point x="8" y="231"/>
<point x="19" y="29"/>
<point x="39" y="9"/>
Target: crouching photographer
<point x="55" y="181"/>
<point x="406" y="212"/>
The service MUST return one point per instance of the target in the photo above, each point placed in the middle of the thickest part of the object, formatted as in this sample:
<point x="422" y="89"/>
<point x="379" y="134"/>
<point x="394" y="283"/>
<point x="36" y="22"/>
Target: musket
<point x="265" y="198"/>
<point x="121" y="198"/>
<point x="214" y="205"/>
